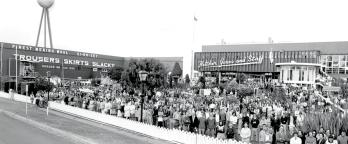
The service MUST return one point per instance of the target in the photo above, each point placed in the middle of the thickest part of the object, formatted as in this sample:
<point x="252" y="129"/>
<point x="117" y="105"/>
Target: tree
<point x="170" y="81"/>
<point x="116" y="72"/>
<point x="177" y="71"/>
<point x="155" y="78"/>
<point x="244" y="90"/>
<point x="201" y="82"/>
<point x="187" y="79"/>
<point x="279" y="95"/>
<point x="95" y="82"/>
<point x="241" y="77"/>
<point x="232" y="86"/>
<point x="42" y="84"/>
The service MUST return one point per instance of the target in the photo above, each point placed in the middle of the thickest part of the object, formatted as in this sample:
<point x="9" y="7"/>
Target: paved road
<point x="17" y="132"/>
<point x="95" y="132"/>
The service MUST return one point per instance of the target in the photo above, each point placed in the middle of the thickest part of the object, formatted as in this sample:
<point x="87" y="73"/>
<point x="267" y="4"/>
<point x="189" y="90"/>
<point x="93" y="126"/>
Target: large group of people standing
<point x="252" y="119"/>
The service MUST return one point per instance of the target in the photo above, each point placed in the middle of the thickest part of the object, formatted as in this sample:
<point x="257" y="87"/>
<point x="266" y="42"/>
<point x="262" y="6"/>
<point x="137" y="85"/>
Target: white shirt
<point x="207" y="115"/>
<point x="245" y="133"/>
<point x="199" y="114"/>
<point x="217" y="118"/>
<point x="132" y="109"/>
<point x="108" y="105"/>
<point x="295" y="140"/>
<point x="333" y="142"/>
<point x="234" y="119"/>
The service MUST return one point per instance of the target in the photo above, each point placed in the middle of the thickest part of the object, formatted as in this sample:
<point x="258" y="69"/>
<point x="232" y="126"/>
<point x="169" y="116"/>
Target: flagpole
<point x="62" y="81"/>
<point x="193" y="44"/>
<point x="2" y="46"/>
<point x="16" y="69"/>
<point x="271" y="56"/>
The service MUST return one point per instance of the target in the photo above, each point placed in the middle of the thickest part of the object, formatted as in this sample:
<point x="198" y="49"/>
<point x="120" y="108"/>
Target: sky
<point x="165" y="28"/>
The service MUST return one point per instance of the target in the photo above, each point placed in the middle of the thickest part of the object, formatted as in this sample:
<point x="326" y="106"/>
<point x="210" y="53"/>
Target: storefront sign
<point x="51" y="50"/>
<point x="42" y="59"/>
<point x="223" y="62"/>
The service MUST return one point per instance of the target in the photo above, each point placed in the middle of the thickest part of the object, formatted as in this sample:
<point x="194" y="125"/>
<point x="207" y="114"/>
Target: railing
<point x="173" y="135"/>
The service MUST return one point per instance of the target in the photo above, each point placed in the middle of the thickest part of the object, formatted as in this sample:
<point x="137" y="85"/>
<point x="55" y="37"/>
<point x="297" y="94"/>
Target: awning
<point x="331" y="89"/>
<point x="86" y="90"/>
<point x="293" y="63"/>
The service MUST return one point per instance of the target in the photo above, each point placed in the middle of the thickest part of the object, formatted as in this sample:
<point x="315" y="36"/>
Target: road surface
<point x="11" y="131"/>
<point x="17" y="132"/>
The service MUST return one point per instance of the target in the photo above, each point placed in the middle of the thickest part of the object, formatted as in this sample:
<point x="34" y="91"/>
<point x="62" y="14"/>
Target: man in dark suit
<point x="320" y="138"/>
<point x="194" y="123"/>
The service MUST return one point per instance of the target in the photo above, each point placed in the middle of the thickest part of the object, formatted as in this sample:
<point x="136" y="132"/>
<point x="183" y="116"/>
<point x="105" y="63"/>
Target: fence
<point x="173" y="135"/>
<point x="17" y="97"/>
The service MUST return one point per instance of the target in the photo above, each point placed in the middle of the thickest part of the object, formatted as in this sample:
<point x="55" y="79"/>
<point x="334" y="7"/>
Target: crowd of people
<point x="252" y="119"/>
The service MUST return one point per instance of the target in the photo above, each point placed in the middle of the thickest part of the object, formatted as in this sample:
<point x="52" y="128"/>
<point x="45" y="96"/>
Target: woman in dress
<point x="245" y="133"/>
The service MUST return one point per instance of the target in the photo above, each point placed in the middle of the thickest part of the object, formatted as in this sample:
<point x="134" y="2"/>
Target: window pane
<point x="329" y="70"/>
<point x="329" y="58"/>
<point x="329" y="64"/>
<point x="335" y="58"/>
<point x="324" y="63"/>
<point x="335" y="70"/>
<point x="324" y="58"/>
<point x="310" y="54"/>
<point x="342" y="71"/>
<point x="342" y="64"/>
<point x="342" y="58"/>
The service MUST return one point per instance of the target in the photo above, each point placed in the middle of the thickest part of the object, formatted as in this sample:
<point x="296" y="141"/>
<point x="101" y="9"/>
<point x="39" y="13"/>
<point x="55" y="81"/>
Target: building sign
<point x="43" y="59"/>
<point x="215" y="62"/>
<point x="51" y="50"/>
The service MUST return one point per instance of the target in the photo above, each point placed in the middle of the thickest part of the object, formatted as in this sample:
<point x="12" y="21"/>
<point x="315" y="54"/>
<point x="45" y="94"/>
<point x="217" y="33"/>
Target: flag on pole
<point x="271" y="52"/>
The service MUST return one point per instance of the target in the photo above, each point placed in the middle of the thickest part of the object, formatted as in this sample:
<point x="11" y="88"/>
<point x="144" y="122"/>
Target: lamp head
<point x="45" y="3"/>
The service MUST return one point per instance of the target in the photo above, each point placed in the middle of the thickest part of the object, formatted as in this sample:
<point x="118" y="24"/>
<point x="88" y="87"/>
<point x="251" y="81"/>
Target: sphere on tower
<point x="45" y="3"/>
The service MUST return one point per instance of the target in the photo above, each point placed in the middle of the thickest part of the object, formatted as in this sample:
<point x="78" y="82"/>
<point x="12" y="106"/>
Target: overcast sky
<point x="166" y="28"/>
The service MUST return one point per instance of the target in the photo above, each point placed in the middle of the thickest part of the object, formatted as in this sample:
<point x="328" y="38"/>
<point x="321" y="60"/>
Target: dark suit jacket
<point x="321" y="142"/>
<point x="194" y="123"/>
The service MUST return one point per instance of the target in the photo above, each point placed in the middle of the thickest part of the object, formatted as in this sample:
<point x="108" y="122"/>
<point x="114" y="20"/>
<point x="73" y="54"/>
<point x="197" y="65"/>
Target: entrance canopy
<point x="293" y="63"/>
<point x="331" y="89"/>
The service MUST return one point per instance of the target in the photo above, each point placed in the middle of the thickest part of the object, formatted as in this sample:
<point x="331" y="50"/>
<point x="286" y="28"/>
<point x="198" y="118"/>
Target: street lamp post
<point x="142" y="77"/>
<point x="49" y="82"/>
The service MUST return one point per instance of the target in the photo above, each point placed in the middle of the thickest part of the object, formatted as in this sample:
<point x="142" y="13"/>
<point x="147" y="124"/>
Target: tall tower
<point x="45" y="4"/>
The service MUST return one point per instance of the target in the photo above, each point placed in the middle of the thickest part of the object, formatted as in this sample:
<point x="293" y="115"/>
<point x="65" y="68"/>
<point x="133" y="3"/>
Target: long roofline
<point x="260" y="43"/>
<point x="334" y="47"/>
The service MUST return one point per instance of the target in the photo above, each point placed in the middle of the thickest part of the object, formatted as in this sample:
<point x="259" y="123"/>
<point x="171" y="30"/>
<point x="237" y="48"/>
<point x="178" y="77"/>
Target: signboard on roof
<point x="224" y="61"/>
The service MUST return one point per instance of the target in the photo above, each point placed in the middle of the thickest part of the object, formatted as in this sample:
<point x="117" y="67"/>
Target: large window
<point x="302" y="73"/>
<point x="291" y="71"/>
<point x="336" y="64"/>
